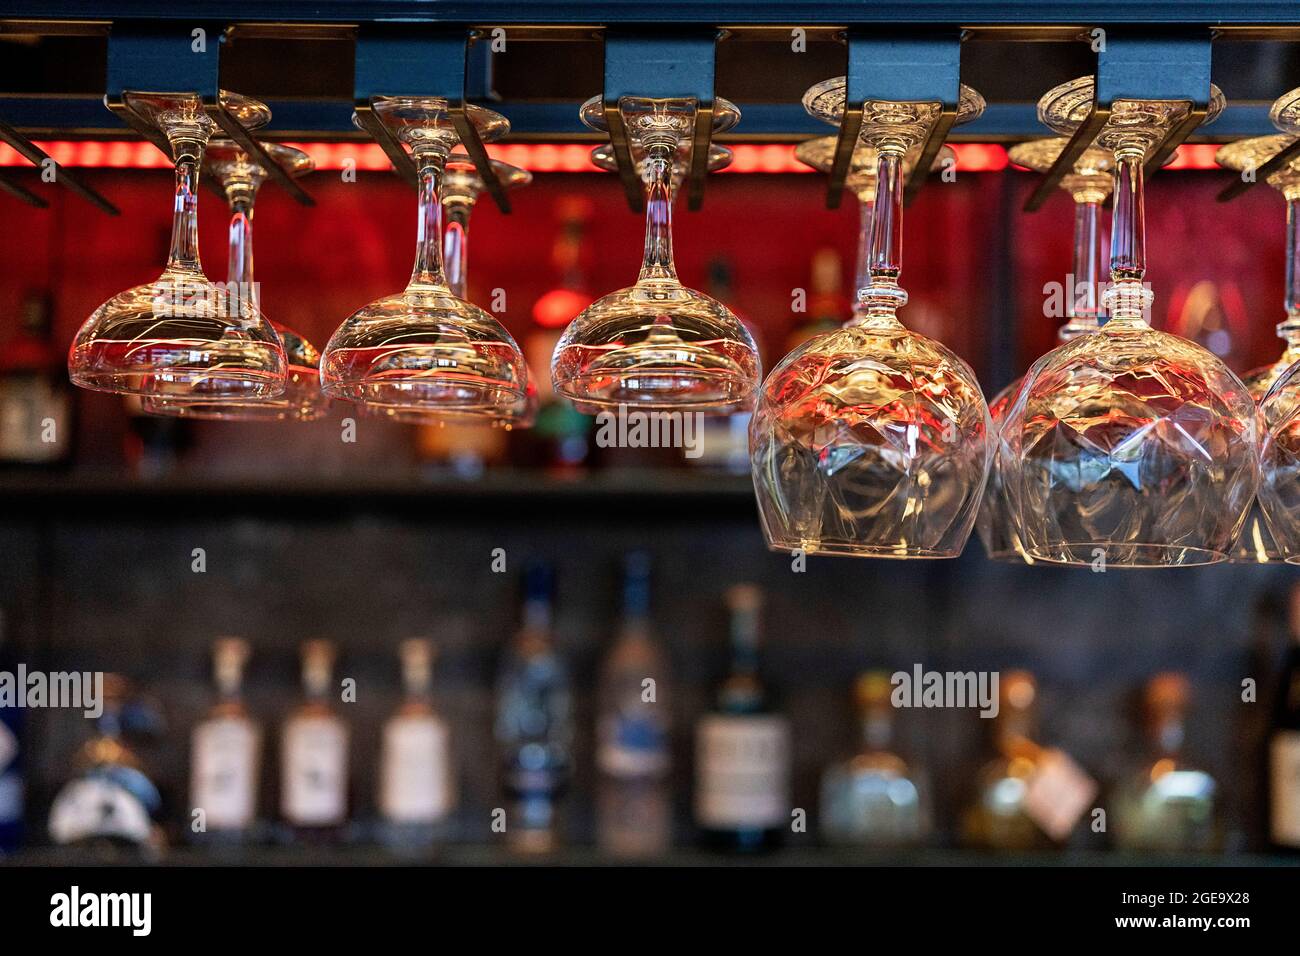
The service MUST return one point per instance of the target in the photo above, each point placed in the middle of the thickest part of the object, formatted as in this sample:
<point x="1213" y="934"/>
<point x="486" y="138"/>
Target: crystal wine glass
<point x="426" y="348"/>
<point x="1088" y="184"/>
<point x="657" y="344"/>
<point x="873" y="440"/>
<point x="182" y="335"/>
<point x="461" y="187"/>
<point x="1256" y="545"/>
<point x="1279" y="487"/>
<point x="241" y="176"/>
<point x="1128" y="447"/>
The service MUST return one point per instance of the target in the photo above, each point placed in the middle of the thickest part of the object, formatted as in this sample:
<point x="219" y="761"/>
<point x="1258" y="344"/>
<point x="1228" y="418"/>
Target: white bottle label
<point x="742" y="771"/>
<point x="313" y="786"/>
<point x="223" y="782"/>
<point x="1284" y="787"/>
<point x="415" y="773"/>
<point x="94" y="807"/>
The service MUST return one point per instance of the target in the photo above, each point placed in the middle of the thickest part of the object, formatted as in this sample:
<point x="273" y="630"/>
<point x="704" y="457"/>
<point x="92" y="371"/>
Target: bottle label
<point x="1284" y="788"/>
<point x="315" y="771"/>
<point x="95" y="807"/>
<point x="742" y="768"/>
<point x="224" y="774"/>
<point x="415" y="774"/>
<point x="1058" y="793"/>
<point x="631" y="746"/>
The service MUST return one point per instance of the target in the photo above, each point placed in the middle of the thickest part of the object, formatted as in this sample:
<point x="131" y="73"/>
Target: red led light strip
<point x="537" y="157"/>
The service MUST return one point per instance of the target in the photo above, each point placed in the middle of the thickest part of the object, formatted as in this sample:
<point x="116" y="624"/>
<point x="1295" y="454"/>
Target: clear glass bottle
<point x="742" y="747"/>
<point x="998" y="819"/>
<point x="225" y="755"/>
<point x="633" y="730"/>
<point x="314" y="754"/>
<point x="534" y="723"/>
<point x="417" y="783"/>
<point x="110" y="805"/>
<point x="1167" y="804"/>
<point x="875" y="798"/>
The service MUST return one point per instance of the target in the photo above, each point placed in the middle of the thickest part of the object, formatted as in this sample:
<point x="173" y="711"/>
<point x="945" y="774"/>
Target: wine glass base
<point x="449" y="395"/>
<point x="302" y="401"/>
<point x="1108" y="554"/>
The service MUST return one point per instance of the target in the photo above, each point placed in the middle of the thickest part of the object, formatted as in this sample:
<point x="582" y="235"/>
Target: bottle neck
<point x="657" y="261"/>
<point x="878" y="727"/>
<point x="1167" y="735"/>
<point x="744" y="642"/>
<point x="315" y="679"/>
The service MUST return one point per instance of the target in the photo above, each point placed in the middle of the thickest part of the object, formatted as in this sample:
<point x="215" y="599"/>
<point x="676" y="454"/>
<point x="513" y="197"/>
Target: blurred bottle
<point x="36" y="400"/>
<point x="742" y="748"/>
<point x="634" y="808"/>
<point x="11" y="759"/>
<point x="534" y="722"/>
<point x="314" y="754"/>
<point x="226" y="752"/>
<point x="827" y="306"/>
<point x="417" y="787"/>
<point x="1166" y="804"/>
<point x="875" y="798"/>
<point x="723" y="440"/>
<point x="110" y="805"/>
<point x="560" y="439"/>
<point x="1284" y="745"/>
<point x="998" y="819"/>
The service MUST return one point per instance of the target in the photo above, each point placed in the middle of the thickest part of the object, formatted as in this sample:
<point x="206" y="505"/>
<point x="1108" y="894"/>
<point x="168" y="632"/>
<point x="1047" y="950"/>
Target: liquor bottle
<point x="875" y="798"/>
<point x="110" y="805"/>
<point x="226" y="755"/>
<point x="827" y="308"/>
<point x="11" y="761"/>
<point x="1284" y="745"/>
<point x="534" y="724"/>
<point x="314" y="754"/>
<point x="417" y="788"/>
<point x="35" y="395"/>
<point x="722" y="441"/>
<point x="633" y="728"/>
<point x="742" y="747"/>
<point x="999" y="819"/>
<point x="1167" y="804"/>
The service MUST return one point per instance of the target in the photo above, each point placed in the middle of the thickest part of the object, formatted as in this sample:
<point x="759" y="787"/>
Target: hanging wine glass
<point x="241" y="176"/>
<point x="1128" y="447"/>
<point x="426" y="348"/>
<point x="1088" y="185"/>
<point x="873" y="440"/>
<point x="1256" y="545"/>
<point x="182" y="335"/>
<point x="1279" y="487"/>
<point x="657" y="344"/>
<point x="860" y="180"/>
<point x="461" y="187"/>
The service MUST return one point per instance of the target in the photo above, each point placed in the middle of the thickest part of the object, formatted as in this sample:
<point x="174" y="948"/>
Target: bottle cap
<point x="1016" y="690"/>
<point x="1167" y="694"/>
<point x="417" y="655"/>
<point x="872" y="689"/>
<point x="228" y="657"/>
<point x="317" y="661"/>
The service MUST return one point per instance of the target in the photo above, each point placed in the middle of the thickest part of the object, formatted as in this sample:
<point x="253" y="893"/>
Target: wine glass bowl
<point x="181" y="335"/>
<point x="426" y="348"/>
<point x="657" y="344"/>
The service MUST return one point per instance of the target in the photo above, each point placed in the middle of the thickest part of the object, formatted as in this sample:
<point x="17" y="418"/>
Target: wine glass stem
<point x="1293" y="263"/>
<point x="862" y="271"/>
<point x="1086" y="267"/>
<point x="657" y="262"/>
<point x="428" y="272"/>
<point x="183" y="255"/>
<point x="455" y="247"/>
<point x="239" y="266"/>
<point x="885" y="252"/>
<point x="1128" y="247"/>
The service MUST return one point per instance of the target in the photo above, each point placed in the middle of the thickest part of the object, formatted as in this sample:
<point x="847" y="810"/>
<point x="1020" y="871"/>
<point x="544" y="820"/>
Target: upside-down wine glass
<point x="461" y="187"/>
<point x="241" y="176"/>
<point x="182" y="335"/>
<point x="1256" y="544"/>
<point x="1128" y="447"/>
<point x="425" y="348"/>
<point x="1088" y="184"/>
<point x="657" y="344"/>
<point x="873" y="440"/>
<point x="1279" y="487"/>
